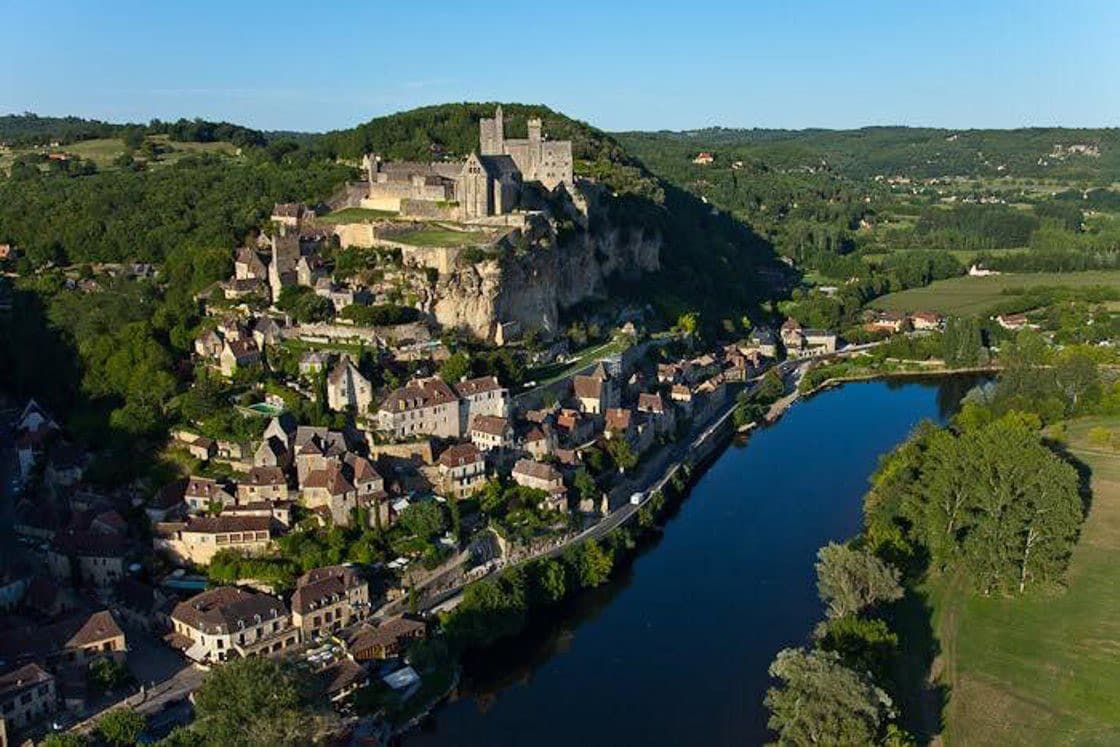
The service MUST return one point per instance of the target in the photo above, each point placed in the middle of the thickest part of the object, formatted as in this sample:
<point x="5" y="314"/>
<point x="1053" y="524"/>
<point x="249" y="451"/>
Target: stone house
<point x="27" y="694"/>
<point x="272" y="452"/>
<point x="279" y="511"/>
<point x="238" y="354"/>
<point x="263" y="484"/>
<point x="574" y="426"/>
<point x="248" y="265"/>
<point x="596" y="392"/>
<point x="208" y="345"/>
<point x="199" y="538"/>
<point x="653" y="405"/>
<point x="481" y="396"/>
<point x="202" y="448"/>
<point x="329" y="489"/>
<point x="202" y="493"/>
<point x="820" y="341"/>
<point x="926" y="320"/>
<point x="539" y="441"/>
<point x="491" y="432"/>
<point x="347" y="388"/>
<point x="792" y="338"/>
<point x="230" y="622"/>
<point x="763" y="340"/>
<point x="423" y="407"/>
<point x="462" y="470"/>
<point x="541" y="476"/>
<point x="682" y="397"/>
<point x="387" y="640"/>
<point x="327" y="600"/>
<point x="73" y="642"/>
<point x="267" y="332"/>
<point x="313" y="362"/>
<point x="88" y="557"/>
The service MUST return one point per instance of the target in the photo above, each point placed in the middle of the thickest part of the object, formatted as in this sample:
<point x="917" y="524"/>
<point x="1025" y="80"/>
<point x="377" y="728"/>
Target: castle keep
<point x="487" y="183"/>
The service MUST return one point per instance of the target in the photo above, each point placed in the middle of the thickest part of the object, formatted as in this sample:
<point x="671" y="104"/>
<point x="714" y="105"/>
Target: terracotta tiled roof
<point x="460" y="454"/>
<point x="587" y="387"/>
<point x="651" y="402"/>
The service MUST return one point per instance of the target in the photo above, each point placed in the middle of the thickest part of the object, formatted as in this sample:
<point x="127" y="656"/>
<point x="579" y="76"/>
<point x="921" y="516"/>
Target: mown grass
<point x="1045" y="669"/>
<point x="977" y="296"/>
<point x="434" y="236"/>
<point x="355" y="215"/>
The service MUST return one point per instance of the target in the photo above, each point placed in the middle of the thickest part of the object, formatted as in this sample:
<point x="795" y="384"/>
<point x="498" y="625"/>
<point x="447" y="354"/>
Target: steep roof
<point x="459" y="455"/>
<point x="492" y="425"/>
<point x="471" y="387"/>
<point x="226" y="608"/>
<point x="266" y="476"/>
<point x="419" y="394"/>
<point x="330" y="478"/>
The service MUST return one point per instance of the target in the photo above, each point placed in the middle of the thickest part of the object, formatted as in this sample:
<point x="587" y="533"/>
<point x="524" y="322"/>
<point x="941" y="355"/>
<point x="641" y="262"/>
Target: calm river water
<point x="674" y="650"/>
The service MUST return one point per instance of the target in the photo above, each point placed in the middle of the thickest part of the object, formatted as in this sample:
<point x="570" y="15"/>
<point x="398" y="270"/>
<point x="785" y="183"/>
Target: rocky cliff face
<point x="546" y="274"/>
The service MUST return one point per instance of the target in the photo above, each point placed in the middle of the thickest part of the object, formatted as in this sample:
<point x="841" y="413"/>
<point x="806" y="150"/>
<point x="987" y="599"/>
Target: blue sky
<point x="632" y="65"/>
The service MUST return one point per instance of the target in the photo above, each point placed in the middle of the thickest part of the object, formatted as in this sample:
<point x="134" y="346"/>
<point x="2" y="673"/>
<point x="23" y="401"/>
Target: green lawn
<point x="355" y="215"/>
<point x="971" y="296"/>
<point x="1044" y="670"/>
<point x="435" y="236"/>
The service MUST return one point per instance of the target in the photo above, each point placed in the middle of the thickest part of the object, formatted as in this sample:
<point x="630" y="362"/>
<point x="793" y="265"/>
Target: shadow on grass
<point x="920" y="701"/>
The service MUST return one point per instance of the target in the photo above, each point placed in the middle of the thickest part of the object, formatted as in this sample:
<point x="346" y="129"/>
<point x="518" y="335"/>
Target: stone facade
<point x="487" y="183"/>
<point x="347" y="388"/>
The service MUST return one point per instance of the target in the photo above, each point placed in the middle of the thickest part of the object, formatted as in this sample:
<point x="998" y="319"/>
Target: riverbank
<point x="716" y="586"/>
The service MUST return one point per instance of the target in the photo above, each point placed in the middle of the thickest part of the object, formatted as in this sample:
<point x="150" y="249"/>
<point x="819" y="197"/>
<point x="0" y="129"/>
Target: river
<point x="675" y="649"/>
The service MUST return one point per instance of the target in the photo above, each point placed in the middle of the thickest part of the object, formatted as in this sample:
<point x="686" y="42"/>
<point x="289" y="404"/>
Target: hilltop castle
<point x="487" y="183"/>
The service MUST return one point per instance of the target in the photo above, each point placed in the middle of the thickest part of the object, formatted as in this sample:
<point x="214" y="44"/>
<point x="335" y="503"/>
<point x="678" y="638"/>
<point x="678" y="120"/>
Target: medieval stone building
<point x="487" y="183"/>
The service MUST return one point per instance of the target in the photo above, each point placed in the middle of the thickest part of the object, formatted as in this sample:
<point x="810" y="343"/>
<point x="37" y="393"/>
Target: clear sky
<point x="619" y="65"/>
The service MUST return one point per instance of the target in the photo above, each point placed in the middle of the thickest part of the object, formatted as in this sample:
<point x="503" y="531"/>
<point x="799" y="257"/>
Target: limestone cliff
<point x="540" y="272"/>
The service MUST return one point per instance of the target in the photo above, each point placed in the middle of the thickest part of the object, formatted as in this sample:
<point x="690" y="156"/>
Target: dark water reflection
<point x="674" y="650"/>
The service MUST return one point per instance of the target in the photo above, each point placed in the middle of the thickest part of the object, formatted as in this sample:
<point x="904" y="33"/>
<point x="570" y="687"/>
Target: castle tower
<point x="492" y="134"/>
<point x="534" y="130"/>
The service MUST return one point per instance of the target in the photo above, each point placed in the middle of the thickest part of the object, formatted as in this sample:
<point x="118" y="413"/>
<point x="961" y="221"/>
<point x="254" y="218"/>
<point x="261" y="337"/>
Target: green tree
<point x="549" y="585"/>
<point x="64" y="739"/>
<point x="820" y="701"/>
<point x="251" y="702"/>
<point x="455" y="367"/>
<point x="121" y="726"/>
<point x="590" y="564"/>
<point x="863" y="645"/>
<point x="849" y="581"/>
<point x="423" y="519"/>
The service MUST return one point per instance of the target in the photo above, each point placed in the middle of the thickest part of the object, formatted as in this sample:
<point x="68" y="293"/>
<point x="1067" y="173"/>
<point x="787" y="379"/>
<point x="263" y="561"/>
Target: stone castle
<point x="487" y="183"/>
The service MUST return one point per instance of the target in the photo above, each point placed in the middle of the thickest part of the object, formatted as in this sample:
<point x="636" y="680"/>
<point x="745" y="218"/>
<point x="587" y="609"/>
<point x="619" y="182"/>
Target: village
<point x="98" y="593"/>
<point x="331" y="404"/>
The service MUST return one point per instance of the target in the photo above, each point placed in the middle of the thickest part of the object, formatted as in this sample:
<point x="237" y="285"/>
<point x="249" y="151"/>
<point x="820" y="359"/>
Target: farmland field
<point x="972" y="295"/>
<point x="1045" y="669"/>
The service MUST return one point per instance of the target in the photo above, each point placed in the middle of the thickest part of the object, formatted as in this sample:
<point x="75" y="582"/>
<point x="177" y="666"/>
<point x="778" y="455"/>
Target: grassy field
<point x="102" y="151"/>
<point x="965" y="256"/>
<point x="435" y="236"/>
<point x="355" y="215"/>
<point x="969" y="295"/>
<point x="1044" y="670"/>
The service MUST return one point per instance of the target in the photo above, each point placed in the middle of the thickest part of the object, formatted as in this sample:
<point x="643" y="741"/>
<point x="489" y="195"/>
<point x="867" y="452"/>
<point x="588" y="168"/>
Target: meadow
<point x="978" y="295"/>
<point x="1044" y="669"/>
